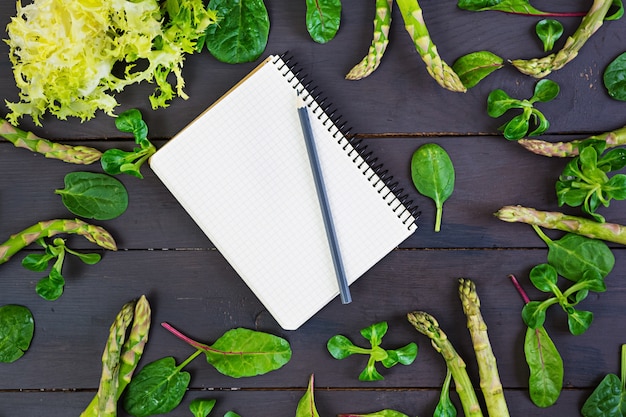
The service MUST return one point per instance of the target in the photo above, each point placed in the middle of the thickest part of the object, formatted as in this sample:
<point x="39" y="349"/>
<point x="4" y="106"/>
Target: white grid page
<point x="242" y="172"/>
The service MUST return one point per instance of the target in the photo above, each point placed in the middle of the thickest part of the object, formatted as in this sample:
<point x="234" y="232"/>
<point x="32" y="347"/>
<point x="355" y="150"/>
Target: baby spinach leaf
<point x="201" y="407"/>
<point x="306" y="405"/>
<point x="473" y="67"/>
<point x="17" y="327"/>
<point x="157" y="389"/>
<point x="231" y="414"/>
<point x="546" y="367"/>
<point x="242" y="32"/>
<point x="322" y="19"/>
<point x="93" y="195"/>
<point x="549" y="31"/>
<point x="445" y="407"/>
<point x="609" y="397"/>
<point x="341" y="347"/>
<point x="433" y="176"/>
<point x="614" y="79"/>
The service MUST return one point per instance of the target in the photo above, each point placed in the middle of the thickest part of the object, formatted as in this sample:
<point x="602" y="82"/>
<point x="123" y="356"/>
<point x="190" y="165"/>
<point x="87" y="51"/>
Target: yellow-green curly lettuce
<point x="64" y="52"/>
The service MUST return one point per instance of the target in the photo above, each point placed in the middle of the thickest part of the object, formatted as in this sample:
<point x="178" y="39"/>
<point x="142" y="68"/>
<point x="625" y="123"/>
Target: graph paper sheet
<point x="242" y="172"/>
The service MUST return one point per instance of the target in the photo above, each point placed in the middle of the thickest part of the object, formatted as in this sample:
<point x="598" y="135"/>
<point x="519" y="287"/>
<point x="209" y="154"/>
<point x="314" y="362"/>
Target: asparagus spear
<point x="540" y="67"/>
<point x="570" y="149"/>
<point x="28" y="140"/>
<point x="382" y="21"/>
<point x="49" y="228"/>
<point x="127" y="358"/>
<point x="427" y="325"/>
<point x="416" y="26"/>
<point x="487" y="367"/>
<point x="610" y="232"/>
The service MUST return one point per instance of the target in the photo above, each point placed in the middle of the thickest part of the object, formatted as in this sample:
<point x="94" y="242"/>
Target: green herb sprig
<point x="341" y="347"/>
<point x="499" y="102"/>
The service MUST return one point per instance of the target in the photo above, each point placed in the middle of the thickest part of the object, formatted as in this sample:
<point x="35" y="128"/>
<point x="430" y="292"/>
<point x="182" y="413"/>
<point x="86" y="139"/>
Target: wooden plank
<point x="197" y="292"/>
<point x="400" y="96"/>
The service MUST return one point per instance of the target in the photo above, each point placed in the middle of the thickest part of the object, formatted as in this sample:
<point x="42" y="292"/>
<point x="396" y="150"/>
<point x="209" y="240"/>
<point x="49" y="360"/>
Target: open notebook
<point x="242" y="172"/>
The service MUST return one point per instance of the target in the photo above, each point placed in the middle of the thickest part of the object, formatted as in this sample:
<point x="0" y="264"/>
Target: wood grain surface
<point x="164" y="255"/>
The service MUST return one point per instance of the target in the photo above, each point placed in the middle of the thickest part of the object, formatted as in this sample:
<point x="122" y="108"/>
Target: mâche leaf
<point x="548" y="31"/>
<point x="433" y="176"/>
<point x="201" y="407"/>
<point x="242" y="32"/>
<point x="17" y="327"/>
<point x="93" y="195"/>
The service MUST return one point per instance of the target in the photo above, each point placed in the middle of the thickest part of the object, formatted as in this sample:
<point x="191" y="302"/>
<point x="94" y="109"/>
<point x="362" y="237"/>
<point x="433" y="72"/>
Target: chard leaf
<point x="545" y="365"/>
<point x="94" y="196"/>
<point x="17" y="327"/>
<point x="244" y="353"/>
<point x="381" y="413"/>
<point x="241" y="33"/>
<point x="473" y="67"/>
<point x="508" y="6"/>
<point x="157" y="389"/>
<point x="433" y="176"/>
<point x="306" y="405"/>
<point x="322" y="19"/>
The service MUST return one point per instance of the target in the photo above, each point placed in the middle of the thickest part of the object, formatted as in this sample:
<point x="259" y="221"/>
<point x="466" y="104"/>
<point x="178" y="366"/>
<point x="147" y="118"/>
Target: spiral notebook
<point x="242" y="172"/>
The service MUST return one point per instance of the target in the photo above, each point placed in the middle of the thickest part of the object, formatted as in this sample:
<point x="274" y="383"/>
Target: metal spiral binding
<point x="365" y="160"/>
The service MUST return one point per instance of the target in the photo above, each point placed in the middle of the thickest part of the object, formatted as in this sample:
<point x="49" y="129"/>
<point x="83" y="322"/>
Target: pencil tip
<point x="300" y="102"/>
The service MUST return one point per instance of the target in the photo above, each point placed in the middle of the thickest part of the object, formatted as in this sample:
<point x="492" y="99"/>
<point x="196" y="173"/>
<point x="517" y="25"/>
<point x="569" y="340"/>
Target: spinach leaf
<point x="473" y="67"/>
<point x="231" y="414"/>
<point x="200" y="407"/>
<point x="609" y="397"/>
<point x="157" y="389"/>
<point x="433" y="176"/>
<point x="322" y="19"/>
<point x="614" y="79"/>
<point x="445" y="407"/>
<point x="94" y="196"/>
<point x="242" y="32"/>
<point x="17" y="327"/>
<point x="341" y="347"/>
<point x="306" y="405"/>
<point x="546" y="367"/>
<point x="548" y="31"/>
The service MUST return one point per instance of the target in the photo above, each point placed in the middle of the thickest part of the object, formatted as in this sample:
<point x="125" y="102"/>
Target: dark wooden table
<point x="165" y="256"/>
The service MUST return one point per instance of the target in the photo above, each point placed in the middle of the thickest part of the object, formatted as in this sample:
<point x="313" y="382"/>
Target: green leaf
<point x="548" y="31"/>
<point x="323" y="18"/>
<point x="433" y="176"/>
<point x="201" y="407"/>
<point x="340" y="347"/>
<point x="534" y="314"/>
<point x="546" y="367"/>
<point x="405" y="355"/>
<point x="157" y="389"/>
<point x="508" y="6"/>
<point x="573" y="254"/>
<point x="545" y="90"/>
<point x="499" y="102"/>
<point x="242" y="32"/>
<point x="445" y="407"/>
<point x="618" y="6"/>
<point x="37" y="262"/>
<point x="381" y="413"/>
<point x="51" y="287"/>
<point x="375" y="332"/>
<point x="231" y="414"/>
<point x="131" y="121"/>
<point x="370" y="373"/>
<point x="475" y="66"/>
<point x="544" y="277"/>
<point x="244" y="353"/>
<point x="94" y="196"/>
<point x="607" y="400"/>
<point x="616" y="187"/>
<point x="579" y="321"/>
<point x="517" y="127"/>
<point x="17" y="327"/>
<point x="306" y="405"/>
<point x="615" y="78"/>
<point x="613" y="160"/>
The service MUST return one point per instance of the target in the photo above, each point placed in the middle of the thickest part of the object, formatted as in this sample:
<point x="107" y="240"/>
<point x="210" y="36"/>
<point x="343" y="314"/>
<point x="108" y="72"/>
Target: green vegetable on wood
<point x="610" y="232"/>
<point x="613" y="78"/>
<point x="609" y="397"/>
<point x="475" y="66"/>
<point x="380" y="40"/>
<point x="445" y="407"/>
<point x="49" y="228"/>
<point x="306" y="405"/>
<point x="83" y="155"/>
<point x="489" y="377"/>
<point x="593" y="20"/>
<point x="341" y="347"/>
<point x="572" y="148"/>
<point x="201" y="407"/>
<point x="17" y="327"/>
<point x="93" y="195"/>
<point x="522" y="7"/>
<point x="416" y="27"/>
<point x="548" y="31"/>
<point x="381" y="413"/>
<point x="433" y="175"/>
<point x="428" y="325"/>
<point x="323" y="18"/>
<point x="242" y="31"/>
<point x="545" y="364"/>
